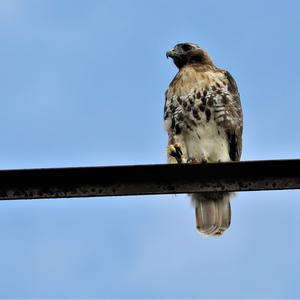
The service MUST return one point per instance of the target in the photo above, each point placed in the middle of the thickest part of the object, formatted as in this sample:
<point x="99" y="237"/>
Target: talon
<point x="178" y="149"/>
<point x="175" y="151"/>
<point x="192" y="160"/>
<point x="171" y="150"/>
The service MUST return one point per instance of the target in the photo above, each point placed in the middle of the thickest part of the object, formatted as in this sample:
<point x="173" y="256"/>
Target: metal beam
<point x="149" y="179"/>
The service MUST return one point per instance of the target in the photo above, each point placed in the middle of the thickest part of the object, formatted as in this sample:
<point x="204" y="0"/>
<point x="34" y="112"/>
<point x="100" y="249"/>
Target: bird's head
<point x="187" y="53"/>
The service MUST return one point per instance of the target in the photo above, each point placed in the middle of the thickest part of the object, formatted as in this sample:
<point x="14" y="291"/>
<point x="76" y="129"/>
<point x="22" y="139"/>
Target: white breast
<point x="206" y="143"/>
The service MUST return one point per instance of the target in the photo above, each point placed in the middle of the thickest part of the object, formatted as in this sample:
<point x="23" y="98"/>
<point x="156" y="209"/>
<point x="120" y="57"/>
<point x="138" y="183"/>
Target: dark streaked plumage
<point x="203" y="118"/>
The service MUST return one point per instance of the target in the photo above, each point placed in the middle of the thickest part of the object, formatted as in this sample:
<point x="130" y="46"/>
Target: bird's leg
<point x="193" y="160"/>
<point x="175" y="151"/>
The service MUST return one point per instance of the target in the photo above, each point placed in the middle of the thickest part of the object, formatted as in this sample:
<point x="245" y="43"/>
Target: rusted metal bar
<point x="149" y="179"/>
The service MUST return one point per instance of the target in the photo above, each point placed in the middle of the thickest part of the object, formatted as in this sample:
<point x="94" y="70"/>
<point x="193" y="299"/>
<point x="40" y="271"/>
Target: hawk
<point x="204" y="121"/>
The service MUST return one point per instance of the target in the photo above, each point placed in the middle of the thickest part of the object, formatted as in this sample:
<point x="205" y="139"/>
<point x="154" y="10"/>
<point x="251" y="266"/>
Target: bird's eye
<point x="186" y="47"/>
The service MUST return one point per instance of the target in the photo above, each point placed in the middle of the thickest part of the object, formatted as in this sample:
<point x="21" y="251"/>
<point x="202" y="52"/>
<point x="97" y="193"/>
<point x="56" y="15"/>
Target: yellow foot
<point x="175" y="151"/>
<point x="192" y="160"/>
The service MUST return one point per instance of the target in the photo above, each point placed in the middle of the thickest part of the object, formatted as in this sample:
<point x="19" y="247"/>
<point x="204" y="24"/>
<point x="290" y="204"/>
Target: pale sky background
<point x="82" y="84"/>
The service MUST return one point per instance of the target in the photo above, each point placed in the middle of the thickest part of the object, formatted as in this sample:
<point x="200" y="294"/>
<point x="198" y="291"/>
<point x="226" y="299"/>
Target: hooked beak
<point x="171" y="53"/>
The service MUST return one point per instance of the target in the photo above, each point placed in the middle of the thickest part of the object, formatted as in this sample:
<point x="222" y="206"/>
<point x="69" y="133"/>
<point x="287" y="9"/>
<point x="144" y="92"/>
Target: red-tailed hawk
<point x="203" y="118"/>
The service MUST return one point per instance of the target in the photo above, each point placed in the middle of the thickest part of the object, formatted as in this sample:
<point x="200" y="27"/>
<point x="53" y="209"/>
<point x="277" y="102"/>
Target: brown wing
<point x="232" y="122"/>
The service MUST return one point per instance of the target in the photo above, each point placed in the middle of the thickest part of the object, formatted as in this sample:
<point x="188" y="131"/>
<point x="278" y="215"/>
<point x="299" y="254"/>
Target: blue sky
<point x="82" y="84"/>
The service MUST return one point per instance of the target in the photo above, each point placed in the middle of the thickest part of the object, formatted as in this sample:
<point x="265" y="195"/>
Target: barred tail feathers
<point x="213" y="212"/>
